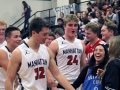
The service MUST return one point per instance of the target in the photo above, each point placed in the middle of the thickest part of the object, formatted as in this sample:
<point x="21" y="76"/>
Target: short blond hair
<point x="70" y="17"/>
<point x="2" y="22"/>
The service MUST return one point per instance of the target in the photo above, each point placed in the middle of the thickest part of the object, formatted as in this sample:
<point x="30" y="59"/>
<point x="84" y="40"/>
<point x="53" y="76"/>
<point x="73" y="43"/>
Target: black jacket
<point x="111" y="79"/>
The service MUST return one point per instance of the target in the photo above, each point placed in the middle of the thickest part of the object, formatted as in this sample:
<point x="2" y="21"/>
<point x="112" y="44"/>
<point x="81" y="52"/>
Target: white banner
<point x="65" y="9"/>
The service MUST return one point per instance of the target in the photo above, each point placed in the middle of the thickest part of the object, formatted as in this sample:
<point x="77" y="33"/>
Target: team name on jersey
<point x="37" y="62"/>
<point x="72" y="51"/>
<point x="96" y="79"/>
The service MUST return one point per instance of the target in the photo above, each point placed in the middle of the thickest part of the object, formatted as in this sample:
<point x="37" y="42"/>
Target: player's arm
<point x="56" y="73"/>
<point x="83" y="57"/>
<point x="13" y="66"/>
<point x="54" y="47"/>
<point x="50" y="78"/>
<point x="3" y="59"/>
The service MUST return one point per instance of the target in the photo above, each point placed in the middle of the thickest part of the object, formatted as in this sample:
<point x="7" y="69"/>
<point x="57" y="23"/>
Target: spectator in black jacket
<point x="111" y="78"/>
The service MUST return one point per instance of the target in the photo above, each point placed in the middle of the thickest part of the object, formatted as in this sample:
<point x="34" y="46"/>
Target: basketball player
<point x="13" y="38"/>
<point x="32" y="59"/>
<point x="69" y="51"/>
<point x="3" y="26"/>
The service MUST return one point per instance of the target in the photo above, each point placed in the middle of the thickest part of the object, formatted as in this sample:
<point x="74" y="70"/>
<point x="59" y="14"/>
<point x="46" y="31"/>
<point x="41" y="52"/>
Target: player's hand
<point x="99" y="72"/>
<point x="51" y="83"/>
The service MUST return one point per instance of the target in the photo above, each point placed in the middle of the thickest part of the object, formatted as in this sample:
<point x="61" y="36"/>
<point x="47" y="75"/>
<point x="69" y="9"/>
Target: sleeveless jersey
<point x="90" y="49"/>
<point x="68" y="58"/>
<point x="2" y="70"/>
<point x="92" y="82"/>
<point x="33" y="67"/>
<point x="3" y="44"/>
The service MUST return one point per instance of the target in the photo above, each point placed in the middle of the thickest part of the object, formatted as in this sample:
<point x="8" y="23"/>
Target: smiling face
<point x="90" y="35"/>
<point x="14" y="39"/>
<point x="99" y="54"/>
<point x="106" y="34"/>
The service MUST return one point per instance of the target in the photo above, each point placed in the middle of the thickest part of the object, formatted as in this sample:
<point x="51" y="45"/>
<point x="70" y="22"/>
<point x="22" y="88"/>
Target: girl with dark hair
<point x="88" y="75"/>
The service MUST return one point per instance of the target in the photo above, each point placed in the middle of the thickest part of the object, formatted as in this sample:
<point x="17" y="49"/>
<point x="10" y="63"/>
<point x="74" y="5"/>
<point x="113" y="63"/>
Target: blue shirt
<point x="92" y="82"/>
<point x="27" y="13"/>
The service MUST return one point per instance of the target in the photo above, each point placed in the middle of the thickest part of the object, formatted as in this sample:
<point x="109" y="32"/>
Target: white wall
<point x="62" y="3"/>
<point x="11" y="10"/>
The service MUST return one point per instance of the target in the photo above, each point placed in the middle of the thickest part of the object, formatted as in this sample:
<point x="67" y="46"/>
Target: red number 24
<point x="72" y="60"/>
<point x="41" y="71"/>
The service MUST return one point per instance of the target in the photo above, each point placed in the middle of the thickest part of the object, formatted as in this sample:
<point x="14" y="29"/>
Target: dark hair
<point x="101" y="21"/>
<point x="85" y="21"/>
<point x="89" y="10"/>
<point x="92" y="14"/>
<point x="102" y="64"/>
<point x="71" y="12"/>
<point x="89" y="3"/>
<point x="37" y="24"/>
<point x="59" y="31"/>
<point x="60" y="19"/>
<point x="24" y="2"/>
<point x="103" y="4"/>
<point x="9" y="30"/>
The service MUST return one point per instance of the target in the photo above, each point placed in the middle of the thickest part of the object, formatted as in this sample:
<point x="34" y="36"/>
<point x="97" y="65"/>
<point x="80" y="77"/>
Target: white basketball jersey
<point x="68" y="58"/>
<point x="2" y="70"/>
<point x="3" y="44"/>
<point x="33" y="67"/>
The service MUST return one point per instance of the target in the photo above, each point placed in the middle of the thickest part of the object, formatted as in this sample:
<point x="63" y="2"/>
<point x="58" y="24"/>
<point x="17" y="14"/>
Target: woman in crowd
<point x="111" y="78"/>
<point x="88" y="75"/>
<point x="98" y="14"/>
<point x="103" y="14"/>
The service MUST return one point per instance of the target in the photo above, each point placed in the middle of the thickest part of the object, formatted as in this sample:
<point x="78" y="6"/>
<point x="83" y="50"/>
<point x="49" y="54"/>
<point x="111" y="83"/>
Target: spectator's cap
<point x="109" y="6"/>
<point x="92" y="14"/>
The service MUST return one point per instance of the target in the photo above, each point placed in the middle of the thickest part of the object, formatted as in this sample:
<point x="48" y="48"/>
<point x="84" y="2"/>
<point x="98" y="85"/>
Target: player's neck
<point x="2" y="40"/>
<point x="10" y="48"/>
<point x="33" y="45"/>
<point x="70" y="39"/>
<point x="94" y="41"/>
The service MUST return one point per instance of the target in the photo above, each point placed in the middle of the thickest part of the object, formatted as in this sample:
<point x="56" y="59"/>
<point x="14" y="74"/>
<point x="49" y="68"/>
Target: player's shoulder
<point x="3" y="52"/>
<point x="54" y="43"/>
<point x="17" y="51"/>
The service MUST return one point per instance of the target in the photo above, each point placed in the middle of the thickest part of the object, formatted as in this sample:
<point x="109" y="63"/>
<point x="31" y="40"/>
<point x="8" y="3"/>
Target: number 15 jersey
<point x="68" y="58"/>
